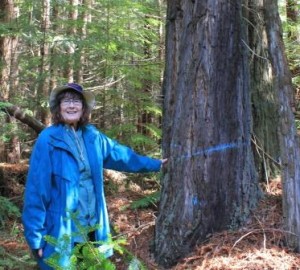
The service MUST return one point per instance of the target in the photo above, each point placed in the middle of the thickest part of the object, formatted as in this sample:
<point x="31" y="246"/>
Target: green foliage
<point x="136" y="264"/>
<point x="151" y="199"/>
<point x="140" y="141"/>
<point x="4" y="104"/>
<point x="297" y="124"/>
<point x="20" y="261"/>
<point x="11" y="129"/>
<point x="84" y="256"/>
<point x="292" y="48"/>
<point x="7" y="210"/>
<point x="87" y="255"/>
<point x="127" y="135"/>
<point x="121" y="54"/>
<point x="20" y="258"/>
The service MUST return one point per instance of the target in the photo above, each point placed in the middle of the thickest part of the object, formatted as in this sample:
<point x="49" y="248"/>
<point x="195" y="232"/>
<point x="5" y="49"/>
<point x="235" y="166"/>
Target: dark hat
<point x="88" y="96"/>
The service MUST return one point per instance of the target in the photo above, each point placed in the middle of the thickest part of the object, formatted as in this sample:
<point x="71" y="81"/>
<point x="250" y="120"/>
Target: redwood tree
<point x="210" y="183"/>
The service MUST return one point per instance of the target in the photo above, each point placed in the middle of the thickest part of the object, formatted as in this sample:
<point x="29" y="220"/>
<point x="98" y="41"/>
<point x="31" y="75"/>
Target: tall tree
<point x="211" y="183"/>
<point x="9" y="12"/>
<point x="8" y="45"/>
<point x="289" y="142"/>
<point x="98" y="43"/>
<point x="44" y="66"/>
<point x="85" y="16"/>
<point x="263" y="95"/>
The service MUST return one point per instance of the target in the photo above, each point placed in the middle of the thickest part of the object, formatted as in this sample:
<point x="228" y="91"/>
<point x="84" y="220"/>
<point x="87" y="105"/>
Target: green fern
<point x="136" y="264"/>
<point x="145" y="202"/>
<point x="4" y="104"/>
<point x="7" y="209"/>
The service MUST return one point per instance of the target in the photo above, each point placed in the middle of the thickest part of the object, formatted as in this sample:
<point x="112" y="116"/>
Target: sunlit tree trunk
<point x="210" y="183"/>
<point x="289" y="142"/>
<point x="161" y="51"/>
<point x="103" y="98"/>
<point x="80" y="55"/>
<point x="8" y="44"/>
<point x="72" y="30"/>
<point x="44" y="67"/>
<point x="8" y="75"/>
<point x="53" y="66"/>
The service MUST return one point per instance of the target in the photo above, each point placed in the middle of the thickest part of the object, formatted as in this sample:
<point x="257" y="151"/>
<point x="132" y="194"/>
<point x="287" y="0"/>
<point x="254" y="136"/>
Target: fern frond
<point x="145" y="202"/>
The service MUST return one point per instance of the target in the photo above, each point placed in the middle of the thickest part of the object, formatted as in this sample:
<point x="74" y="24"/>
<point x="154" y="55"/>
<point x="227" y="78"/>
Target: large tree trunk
<point x="290" y="154"/>
<point x="211" y="183"/>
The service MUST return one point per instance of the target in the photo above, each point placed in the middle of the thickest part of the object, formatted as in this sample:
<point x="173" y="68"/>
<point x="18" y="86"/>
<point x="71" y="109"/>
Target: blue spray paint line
<point x="197" y="202"/>
<point x="213" y="149"/>
<point x="210" y="150"/>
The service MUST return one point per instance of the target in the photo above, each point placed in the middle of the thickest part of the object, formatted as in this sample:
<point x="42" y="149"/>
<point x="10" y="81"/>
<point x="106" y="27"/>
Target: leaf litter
<point x="258" y="245"/>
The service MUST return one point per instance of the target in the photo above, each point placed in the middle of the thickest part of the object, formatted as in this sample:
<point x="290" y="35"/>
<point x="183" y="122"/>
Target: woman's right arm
<point x="37" y="194"/>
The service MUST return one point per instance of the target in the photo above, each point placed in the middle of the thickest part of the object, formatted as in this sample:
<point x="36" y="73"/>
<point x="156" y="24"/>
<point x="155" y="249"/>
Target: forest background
<point x="114" y="48"/>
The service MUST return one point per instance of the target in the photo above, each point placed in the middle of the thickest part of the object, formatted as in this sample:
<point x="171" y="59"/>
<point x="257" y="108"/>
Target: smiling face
<point x="71" y="108"/>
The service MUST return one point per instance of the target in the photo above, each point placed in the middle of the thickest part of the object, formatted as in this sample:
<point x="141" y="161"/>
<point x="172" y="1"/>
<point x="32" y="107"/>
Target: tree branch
<point x="17" y="113"/>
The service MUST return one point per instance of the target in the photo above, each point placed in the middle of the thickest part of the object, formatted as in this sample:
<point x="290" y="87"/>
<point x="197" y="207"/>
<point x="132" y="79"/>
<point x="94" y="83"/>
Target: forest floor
<point x="259" y="245"/>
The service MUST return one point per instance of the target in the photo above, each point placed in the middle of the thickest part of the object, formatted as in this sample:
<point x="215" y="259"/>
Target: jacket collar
<point x="57" y="135"/>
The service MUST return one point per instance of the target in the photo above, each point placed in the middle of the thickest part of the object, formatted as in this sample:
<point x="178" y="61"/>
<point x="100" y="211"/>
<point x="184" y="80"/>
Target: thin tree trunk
<point x="44" y="67"/>
<point x="263" y="96"/>
<point x="289" y="144"/>
<point x="73" y="16"/>
<point x="53" y="67"/>
<point x="80" y="55"/>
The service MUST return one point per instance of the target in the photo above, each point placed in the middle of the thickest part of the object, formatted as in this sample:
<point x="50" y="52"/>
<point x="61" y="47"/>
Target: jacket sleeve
<point x="122" y="158"/>
<point x="37" y="194"/>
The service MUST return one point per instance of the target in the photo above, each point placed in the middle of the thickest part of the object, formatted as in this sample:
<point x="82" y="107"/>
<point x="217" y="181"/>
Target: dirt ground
<point x="259" y="245"/>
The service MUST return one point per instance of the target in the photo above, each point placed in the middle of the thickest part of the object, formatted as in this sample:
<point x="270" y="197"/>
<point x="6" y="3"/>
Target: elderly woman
<point x="64" y="190"/>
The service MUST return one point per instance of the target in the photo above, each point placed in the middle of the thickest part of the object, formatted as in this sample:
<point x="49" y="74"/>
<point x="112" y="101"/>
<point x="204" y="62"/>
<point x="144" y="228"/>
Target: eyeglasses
<point x="67" y="102"/>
